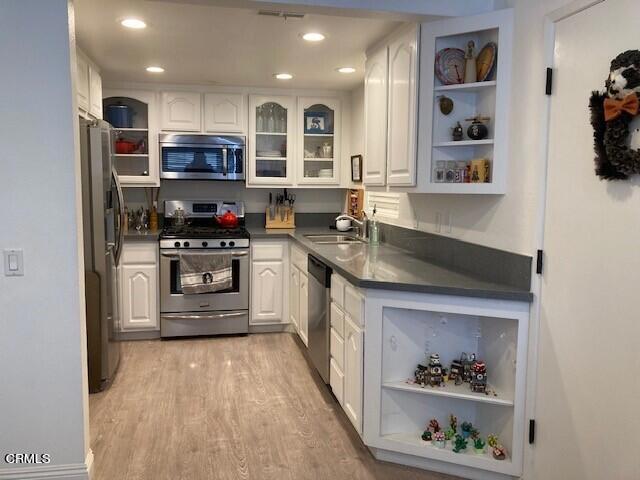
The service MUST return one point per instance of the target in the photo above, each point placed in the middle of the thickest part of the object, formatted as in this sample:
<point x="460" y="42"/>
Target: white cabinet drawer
<point x="337" y="319"/>
<point x="337" y="348"/>
<point x="354" y="304"/>
<point x="299" y="258"/>
<point x="337" y="289"/>
<point x="268" y="251"/>
<point x="140" y="253"/>
<point x="336" y="380"/>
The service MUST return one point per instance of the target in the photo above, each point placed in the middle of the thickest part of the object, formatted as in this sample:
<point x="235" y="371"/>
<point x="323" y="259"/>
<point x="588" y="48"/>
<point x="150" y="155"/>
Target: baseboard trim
<point x="271" y="328"/>
<point x="72" y="471"/>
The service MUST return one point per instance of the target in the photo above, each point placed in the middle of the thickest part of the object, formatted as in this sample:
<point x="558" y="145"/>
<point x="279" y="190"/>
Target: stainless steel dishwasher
<point x="319" y="311"/>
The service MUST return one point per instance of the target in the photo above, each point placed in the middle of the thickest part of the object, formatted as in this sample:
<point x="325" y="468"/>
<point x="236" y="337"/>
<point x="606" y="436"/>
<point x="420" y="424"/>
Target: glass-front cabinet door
<point x="271" y="126"/>
<point x="319" y="142"/>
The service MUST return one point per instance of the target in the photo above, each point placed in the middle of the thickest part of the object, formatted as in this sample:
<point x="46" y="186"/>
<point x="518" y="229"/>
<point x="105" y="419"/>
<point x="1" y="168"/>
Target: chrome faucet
<point x="362" y="226"/>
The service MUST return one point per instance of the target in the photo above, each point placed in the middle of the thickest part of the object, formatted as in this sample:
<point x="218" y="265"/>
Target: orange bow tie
<point x="614" y="108"/>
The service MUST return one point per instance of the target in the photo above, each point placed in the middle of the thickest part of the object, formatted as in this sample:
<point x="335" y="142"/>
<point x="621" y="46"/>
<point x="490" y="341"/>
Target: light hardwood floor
<point x="226" y="408"/>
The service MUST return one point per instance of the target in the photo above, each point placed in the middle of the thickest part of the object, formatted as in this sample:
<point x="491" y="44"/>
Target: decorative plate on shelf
<point x="486" y="61"/>
<point x="450" y="66"/>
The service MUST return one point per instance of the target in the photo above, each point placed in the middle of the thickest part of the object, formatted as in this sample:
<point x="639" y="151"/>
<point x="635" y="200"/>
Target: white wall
<point x="507" y="222"/>
<point x="43" y="398"/>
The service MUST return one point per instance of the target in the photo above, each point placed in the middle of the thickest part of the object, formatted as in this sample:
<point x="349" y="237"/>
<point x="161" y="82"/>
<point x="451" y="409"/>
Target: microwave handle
<point x="224" y="162"/>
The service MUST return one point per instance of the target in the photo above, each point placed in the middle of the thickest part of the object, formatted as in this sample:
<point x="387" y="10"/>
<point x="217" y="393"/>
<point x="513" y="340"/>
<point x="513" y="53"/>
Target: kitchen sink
<point x="334" y="239"/>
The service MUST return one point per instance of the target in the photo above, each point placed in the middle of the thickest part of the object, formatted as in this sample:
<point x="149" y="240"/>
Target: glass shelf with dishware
<point x="319" y="140"/>
<point x="271" y="119"/>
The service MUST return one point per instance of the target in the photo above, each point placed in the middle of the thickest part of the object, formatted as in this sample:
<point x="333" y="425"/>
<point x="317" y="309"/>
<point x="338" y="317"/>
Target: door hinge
<point x="532" y="431"/>
<point x="539" y="262"/>
<point x="549" y="81"/>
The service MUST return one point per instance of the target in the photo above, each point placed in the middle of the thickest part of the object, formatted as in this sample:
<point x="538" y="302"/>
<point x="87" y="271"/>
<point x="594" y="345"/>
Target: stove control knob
<point x="186" y="244"/>
<point x="204" y="244"/>
<point x="232" y="244"/>
<point x="223" y="244"/>
<point x="177" y="244"/>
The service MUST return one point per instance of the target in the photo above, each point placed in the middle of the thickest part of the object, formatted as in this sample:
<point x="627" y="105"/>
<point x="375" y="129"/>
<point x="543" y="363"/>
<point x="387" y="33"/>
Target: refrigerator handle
<point x="120" y="242"/>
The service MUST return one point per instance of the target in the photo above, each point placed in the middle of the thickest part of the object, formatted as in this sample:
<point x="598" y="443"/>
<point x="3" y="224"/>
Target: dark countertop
<point x="142" y="235"/>
<point x="390" y="268"/>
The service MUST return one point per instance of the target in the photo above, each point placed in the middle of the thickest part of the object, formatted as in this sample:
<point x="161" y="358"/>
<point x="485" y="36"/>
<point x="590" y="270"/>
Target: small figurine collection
<point x="466" y="369"/>
<point x="460" y="441"/>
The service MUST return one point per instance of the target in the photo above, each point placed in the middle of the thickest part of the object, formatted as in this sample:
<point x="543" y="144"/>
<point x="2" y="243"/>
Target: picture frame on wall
<point x="356" y="168"/>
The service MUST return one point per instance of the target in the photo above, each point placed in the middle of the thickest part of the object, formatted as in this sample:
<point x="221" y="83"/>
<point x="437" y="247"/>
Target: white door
<point x="587" y="383"/>
<point x="304" y="308"/>
<point x="224" y="112"/>
<point x="294" y="297"/>
<point x="266" y="292"/>
<point x="353" y="366"/>
<point x="83" y="83"/>
<point x="95" y="93"/>
<point x="375" y="119"/>
<point x="139" y="297"/>
<point x="181" y="111"/>
<point x="403" y="101"/>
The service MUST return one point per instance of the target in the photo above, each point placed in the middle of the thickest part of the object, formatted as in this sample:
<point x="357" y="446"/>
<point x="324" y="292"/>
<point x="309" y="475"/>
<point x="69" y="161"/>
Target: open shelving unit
<point x="438" y="152"/>
<point x="397" y="411"/>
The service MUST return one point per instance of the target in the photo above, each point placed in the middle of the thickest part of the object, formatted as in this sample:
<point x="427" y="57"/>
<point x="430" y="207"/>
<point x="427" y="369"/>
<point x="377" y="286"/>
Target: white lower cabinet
<point x="347" y="349"/>
<point x="138" y="275"/>
<point x="269" y="282"/>
<point x="353" y="368"/>
<point x="294" y="297"/>
<point x="304" y="308"/>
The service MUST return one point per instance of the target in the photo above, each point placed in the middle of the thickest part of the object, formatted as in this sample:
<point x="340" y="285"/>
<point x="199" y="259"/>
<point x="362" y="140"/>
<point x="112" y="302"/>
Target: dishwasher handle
<point x="319" y="271"/>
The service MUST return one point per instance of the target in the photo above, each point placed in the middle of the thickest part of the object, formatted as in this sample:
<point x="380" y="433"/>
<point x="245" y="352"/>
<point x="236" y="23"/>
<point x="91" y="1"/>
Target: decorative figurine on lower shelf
<point x="434" y="371"/>
<point x="479" y="378"/>
<point x="475" y="433"/>
<point x="456" y="371"/>
<point x="453" y="423"/>
<point x="426" y="436"/>
<point x="458" y="133"/>
<point x="421" y="375"/>
<point x="492" y="440"/>
<point x="499" y="452"/>
<point x="466" y="428"/>
<point x="439" y="440"/>
<point x="433" y="426"/>
<point x="460" y="444"/>
<point x="478" y="445"/>
<point x="449" y="433"/>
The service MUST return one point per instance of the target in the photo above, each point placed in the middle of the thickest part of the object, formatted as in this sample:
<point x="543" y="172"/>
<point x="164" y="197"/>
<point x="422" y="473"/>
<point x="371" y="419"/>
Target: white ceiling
<point x="203" y="44"/>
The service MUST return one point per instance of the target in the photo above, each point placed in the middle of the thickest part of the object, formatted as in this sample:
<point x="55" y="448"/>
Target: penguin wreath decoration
<point x="615" y="119"/>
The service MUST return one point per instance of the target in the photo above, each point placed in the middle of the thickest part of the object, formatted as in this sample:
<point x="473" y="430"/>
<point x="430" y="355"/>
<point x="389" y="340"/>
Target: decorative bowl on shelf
<point x="450" y="66"/>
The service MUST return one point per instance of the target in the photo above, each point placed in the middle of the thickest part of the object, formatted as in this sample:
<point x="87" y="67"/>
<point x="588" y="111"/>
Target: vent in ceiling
<point x="285" y="15"/>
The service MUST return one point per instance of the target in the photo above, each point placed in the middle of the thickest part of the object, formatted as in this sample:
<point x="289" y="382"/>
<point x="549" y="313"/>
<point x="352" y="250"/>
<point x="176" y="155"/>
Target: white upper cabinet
<point x="83" y="83"/>
<point x="95" y="93"/>
<point x="468" y="165"/>
<point x="271" y="140"/>
<point x="375" y="118"/>
<point x="403" y="106"/>
<point x="318" y="141"/>
<point x="224" y="113"/>
<point x="181" y="111"/>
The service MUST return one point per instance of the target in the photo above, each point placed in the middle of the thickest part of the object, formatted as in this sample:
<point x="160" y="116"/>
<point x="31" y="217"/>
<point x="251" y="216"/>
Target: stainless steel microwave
<point x="202" y="157"/>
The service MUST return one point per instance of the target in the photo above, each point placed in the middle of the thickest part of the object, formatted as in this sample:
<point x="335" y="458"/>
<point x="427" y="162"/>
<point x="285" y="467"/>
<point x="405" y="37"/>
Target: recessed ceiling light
<point x="134" y="23"/>
<point x="313" y="37"/>
<point x="283" y="76"/>
<point x="346" y="70"/>
<point x="155" y="69"/>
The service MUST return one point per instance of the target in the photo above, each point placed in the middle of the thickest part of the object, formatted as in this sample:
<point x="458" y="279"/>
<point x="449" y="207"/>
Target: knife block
<point x="289" y="218"/>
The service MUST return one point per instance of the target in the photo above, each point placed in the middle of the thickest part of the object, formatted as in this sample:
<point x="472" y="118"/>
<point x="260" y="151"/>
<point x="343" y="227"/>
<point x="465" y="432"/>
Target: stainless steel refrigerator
<point x="103" y="217"/>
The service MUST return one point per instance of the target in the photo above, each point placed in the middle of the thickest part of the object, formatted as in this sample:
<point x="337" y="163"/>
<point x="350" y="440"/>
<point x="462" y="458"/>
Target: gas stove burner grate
<point x="190" y="231"/>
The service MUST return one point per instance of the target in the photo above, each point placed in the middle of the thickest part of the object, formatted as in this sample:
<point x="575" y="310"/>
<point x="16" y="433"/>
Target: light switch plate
<point x="13" y="263"/>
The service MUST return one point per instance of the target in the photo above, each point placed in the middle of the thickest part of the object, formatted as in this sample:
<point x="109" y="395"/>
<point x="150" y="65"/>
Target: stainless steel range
<point x="190" y="226"/>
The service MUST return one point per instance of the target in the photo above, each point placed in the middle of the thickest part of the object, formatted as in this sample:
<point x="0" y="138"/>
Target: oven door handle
<point x="174" y="253"/>
<point x="208" y="316"/>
